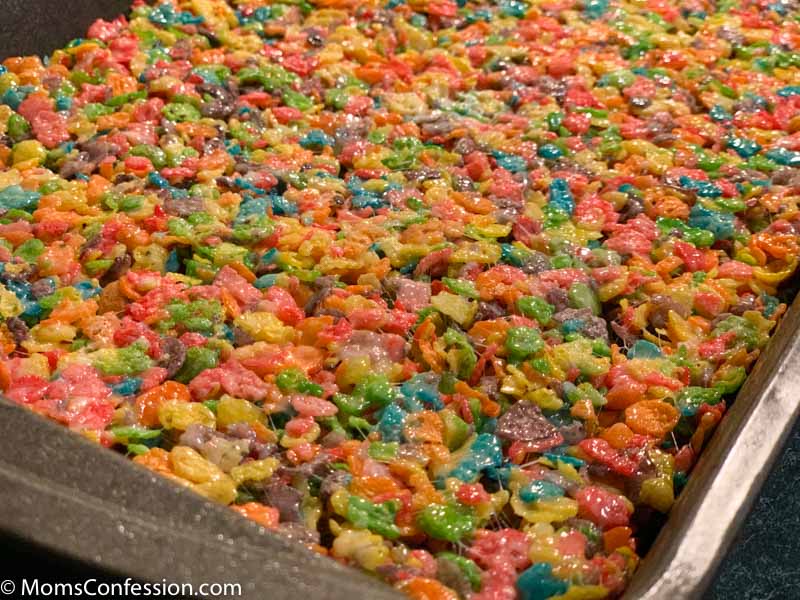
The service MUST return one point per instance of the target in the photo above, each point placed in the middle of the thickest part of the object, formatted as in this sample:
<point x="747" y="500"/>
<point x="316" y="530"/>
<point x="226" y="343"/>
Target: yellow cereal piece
<point x="265" y="327"/>
<point x="288" y="441"/>
<point x="549" y="510"/>
<point x="658" y="493"/>
<point x="174" y="414"/>
<point x="256" y="470"/>
<point x="583" y="592"/>
<point x="151" y="257"/>
<point x="29" y="153"/>
<point x="232" y="410"/>
<point x="220" y="490"/>
<point x="10" y="306"/>
<point x="458" y="308"/>
<point x="188" y="463"/>
<point x="53" y="333"/>
<point x="365" y="548"/>
<point x="545" y="399"/>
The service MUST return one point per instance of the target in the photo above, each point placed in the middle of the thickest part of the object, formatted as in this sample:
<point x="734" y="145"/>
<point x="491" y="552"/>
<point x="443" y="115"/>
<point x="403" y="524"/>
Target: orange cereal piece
<point x="423" y="588"/>
<point x="266" y="516"/>
<point x="655" y="418"/>
<point x="148" y="403"/>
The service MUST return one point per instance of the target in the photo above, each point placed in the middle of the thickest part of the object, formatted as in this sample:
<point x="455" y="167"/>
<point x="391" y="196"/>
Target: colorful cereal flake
<point x="454" y="292"/>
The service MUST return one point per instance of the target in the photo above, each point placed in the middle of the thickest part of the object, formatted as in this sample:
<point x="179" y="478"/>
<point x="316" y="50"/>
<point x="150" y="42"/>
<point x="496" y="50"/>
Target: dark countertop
<point x="762" y="563"/>
<point x="41" y="26"/>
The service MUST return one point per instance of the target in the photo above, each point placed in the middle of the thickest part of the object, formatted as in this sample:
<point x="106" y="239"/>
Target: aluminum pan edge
<point x="68" y="495"/>
<point x="728" y="476"/>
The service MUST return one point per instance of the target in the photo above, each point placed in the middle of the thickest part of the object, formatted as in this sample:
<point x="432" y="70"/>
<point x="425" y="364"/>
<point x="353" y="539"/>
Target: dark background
<point x="763" y="562"/>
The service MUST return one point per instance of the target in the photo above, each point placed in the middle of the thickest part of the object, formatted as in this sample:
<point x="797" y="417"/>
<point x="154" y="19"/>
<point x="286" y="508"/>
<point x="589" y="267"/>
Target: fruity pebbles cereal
<point x="451" y="291"/>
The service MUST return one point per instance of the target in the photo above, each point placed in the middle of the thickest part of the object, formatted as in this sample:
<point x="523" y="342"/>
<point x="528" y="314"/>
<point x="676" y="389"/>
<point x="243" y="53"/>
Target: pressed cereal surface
<point x="452" y="292"/>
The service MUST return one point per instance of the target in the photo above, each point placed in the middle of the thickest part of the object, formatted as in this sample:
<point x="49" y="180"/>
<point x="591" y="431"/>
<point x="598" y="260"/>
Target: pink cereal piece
<point x="190" y="339"/>
<point x="414" y="295"/>
<point x="153" y="377"/>
<point x="240" y="289"/>
<point x="283" y="305"/>
<point x="50" y="128"/>
<point x="735" y="269"/>
<point x="231" y="378"/>
<point x="107" y="30"/>
<point x="33" y="105"/>
<point x="303" y="452"/>
<point x="299" y="426"/>
<point x="603" y="508"/>
<point x="311" y="406"/>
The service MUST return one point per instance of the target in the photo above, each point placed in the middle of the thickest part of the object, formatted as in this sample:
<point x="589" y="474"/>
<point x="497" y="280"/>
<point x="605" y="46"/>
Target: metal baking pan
<point x="728" y="476"/>
<point x="67" y="496"/>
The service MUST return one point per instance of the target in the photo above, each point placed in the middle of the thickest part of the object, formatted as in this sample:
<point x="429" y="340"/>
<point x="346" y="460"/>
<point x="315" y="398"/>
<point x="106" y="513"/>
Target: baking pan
<point x="69" y="496"/>
<point x="728" y="476"/>
<point x="72" y="498"/>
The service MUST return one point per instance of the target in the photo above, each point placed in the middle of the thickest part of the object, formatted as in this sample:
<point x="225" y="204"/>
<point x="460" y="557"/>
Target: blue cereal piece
<point x="513" y="8"/>
<point x="14" y="197"/>
<point x="283" y="207"/>
<point x="789" y="90"/>
<point x="14" y="96"/>
<point x="266" y="281"/>
<point x="390" y="425"/>
<point x="128" y="386"/>
<point x="784" y="157"/>
<point x="595" y="9"/>
<point x="549" y="151"/>
<point x="251" y="207"/>
<point x="165" y="16"/>
<point x="704" y="189"/>
<point x="572" y="326"/>
<point x="719" y="114"/>
<point x="509" y="162"/>
<point x="316" y="139"/>
<point x="212" y="74"/>
<point x="744" y="147"/>
<point x="540" y="489"/>
<point x="644" y="349"/>
<point x="173" y="263"/>
<point x="537" y="583"/>
<point x="87" y="290"/>
<point x="485" y="452"/>
<point x="570" y="460"/>
<point x="561" y="196"/>
<point x="421" y="390"/>
<point x="63" y="103"/>
<point x="22" y="290"/>
<point x="771" y="304"/>
<point x="721" y="224"/>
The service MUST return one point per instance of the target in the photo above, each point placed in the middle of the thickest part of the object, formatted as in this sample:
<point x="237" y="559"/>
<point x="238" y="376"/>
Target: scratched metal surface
<point x="728" y="476"/>
<point x="72" y="497"/>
